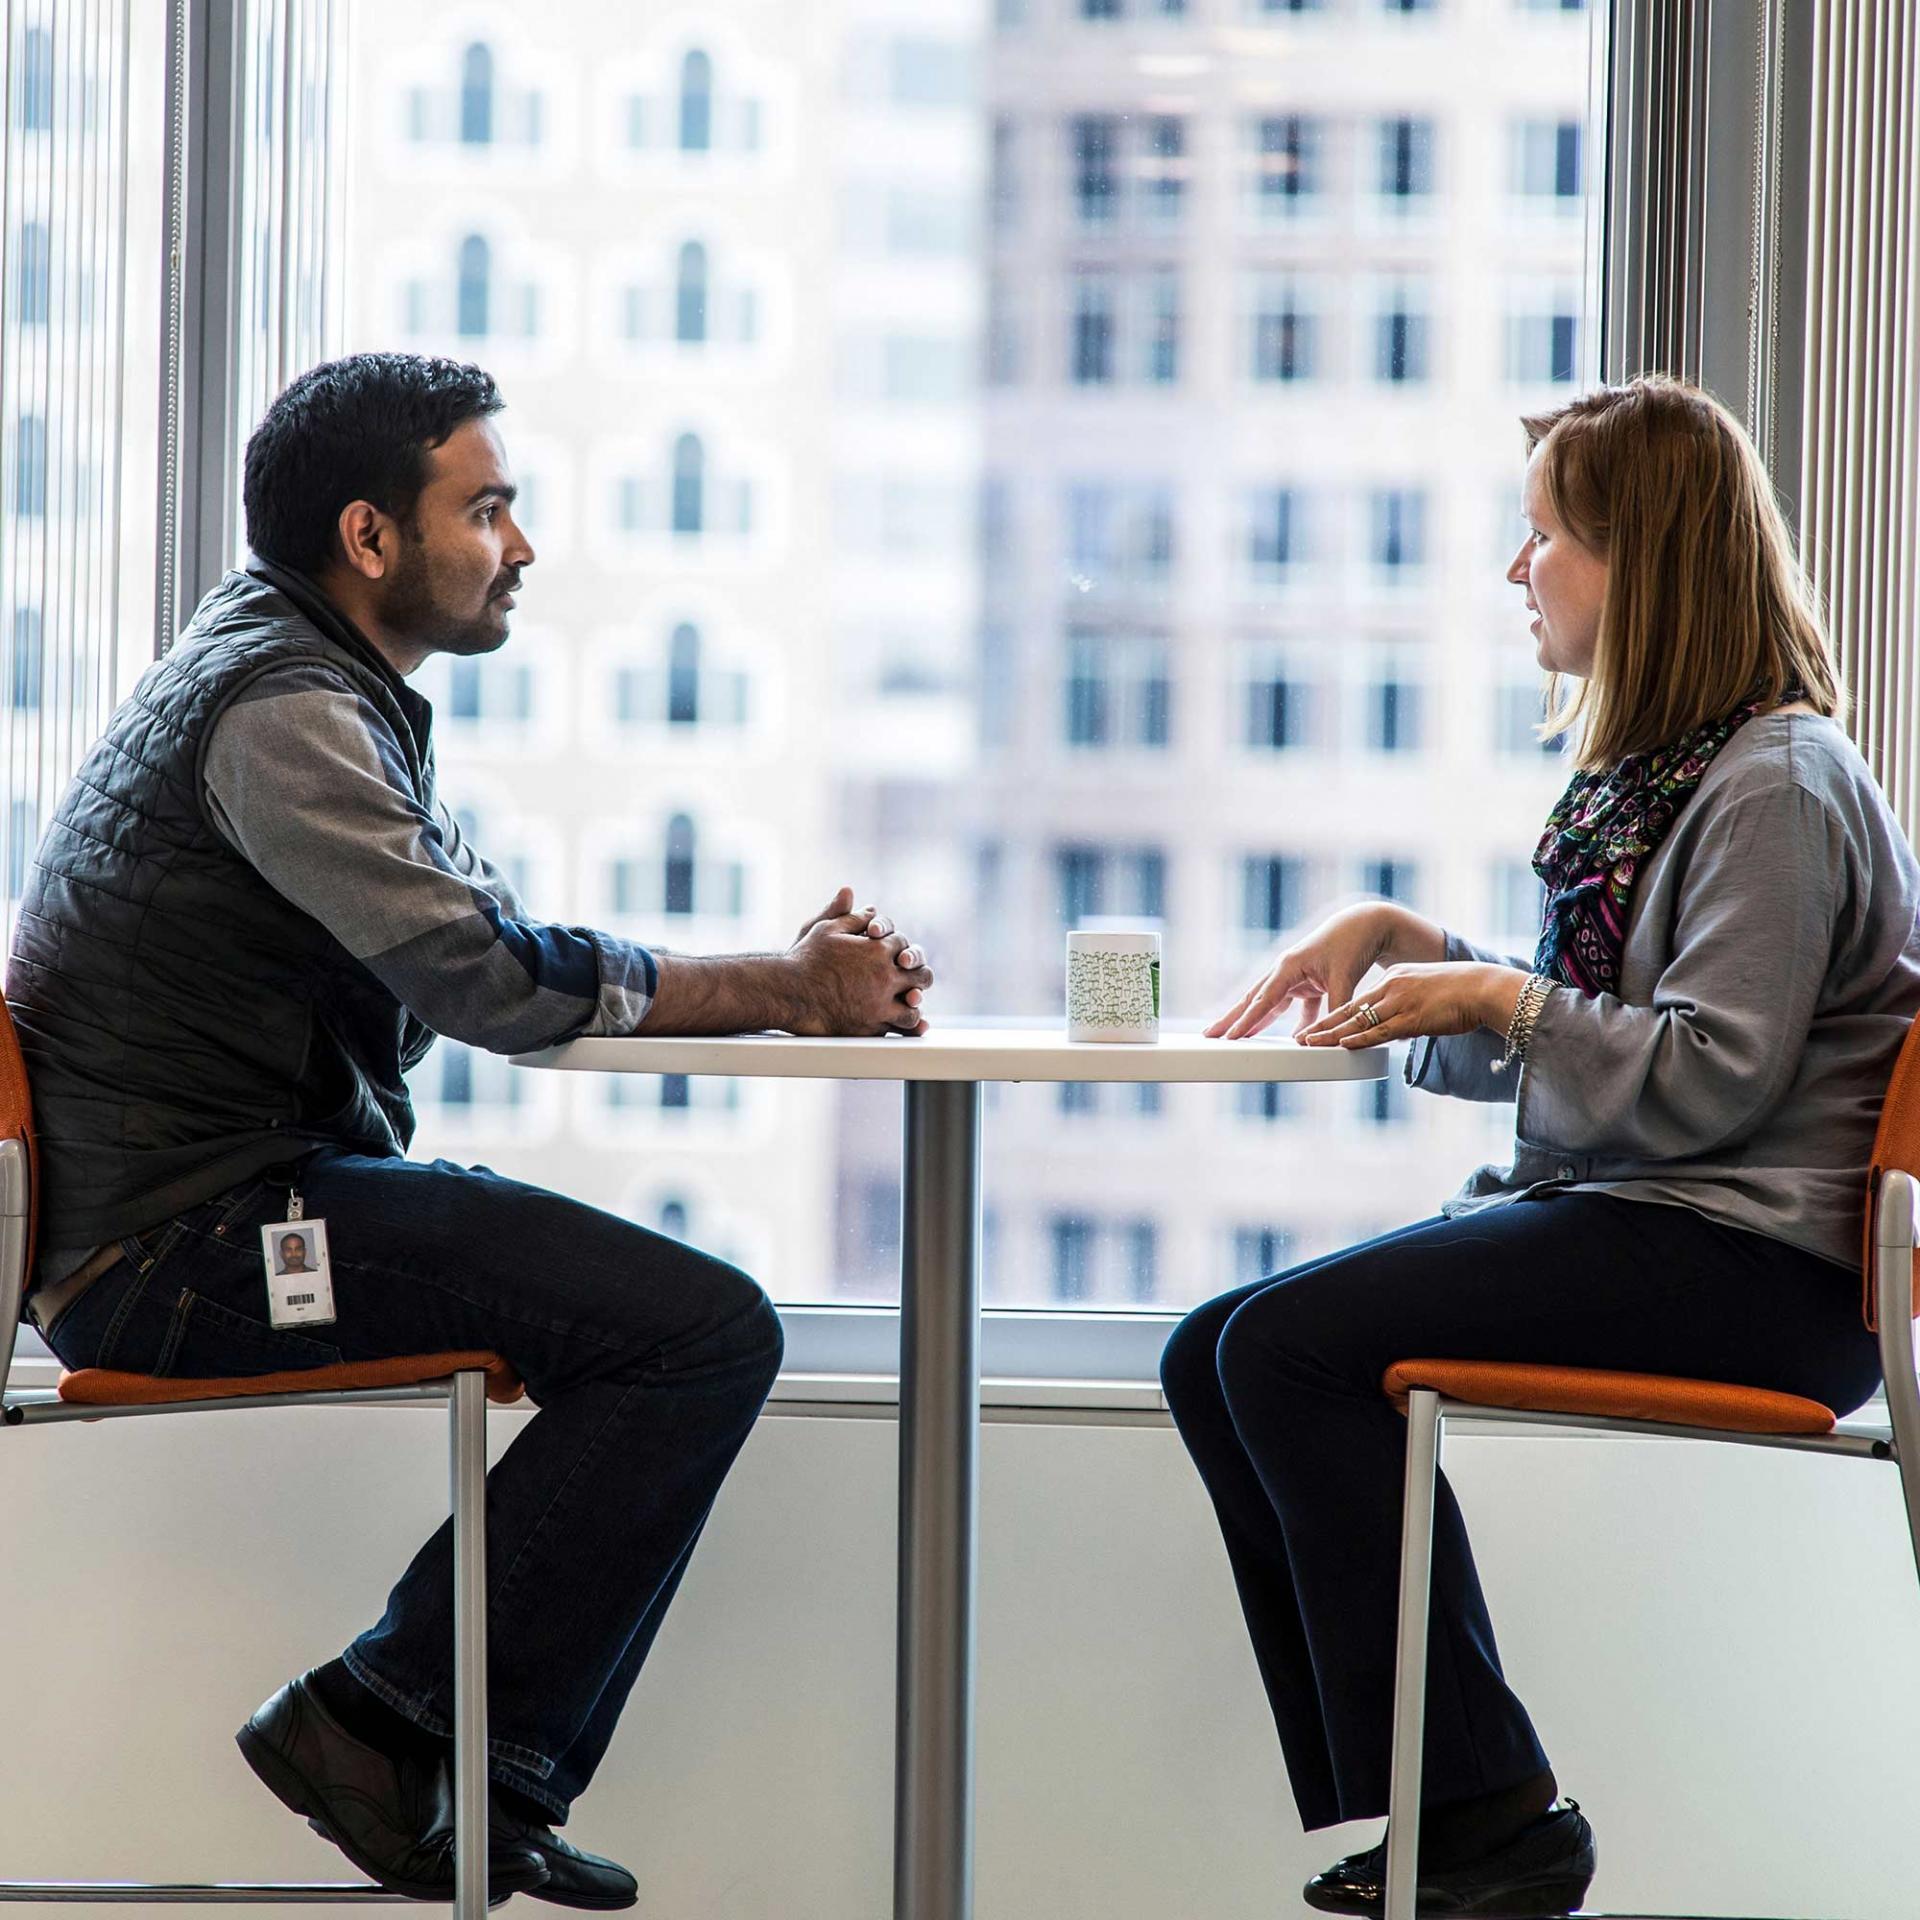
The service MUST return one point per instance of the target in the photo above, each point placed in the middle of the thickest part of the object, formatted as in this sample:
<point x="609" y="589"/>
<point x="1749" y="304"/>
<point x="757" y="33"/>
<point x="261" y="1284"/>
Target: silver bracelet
<point x="1526" y="1010"/>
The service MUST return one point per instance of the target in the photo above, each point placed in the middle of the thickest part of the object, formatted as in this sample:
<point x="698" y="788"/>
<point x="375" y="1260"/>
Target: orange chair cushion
<point x="103" y="1387"/>
<point x="1896" y="1144"/>
<point x="1626" y="1396"/>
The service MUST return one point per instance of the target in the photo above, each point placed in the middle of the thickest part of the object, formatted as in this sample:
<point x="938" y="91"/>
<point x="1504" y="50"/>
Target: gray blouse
<point x="1771" y="970"/>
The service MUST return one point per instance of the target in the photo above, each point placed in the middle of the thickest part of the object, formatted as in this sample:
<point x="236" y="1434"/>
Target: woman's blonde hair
<point x="1705" y="603"/>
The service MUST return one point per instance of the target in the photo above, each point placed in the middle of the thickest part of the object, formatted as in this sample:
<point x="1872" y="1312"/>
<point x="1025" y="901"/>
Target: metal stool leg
<point x="1410" y="1672"/>
<point x="469" y="1422"/>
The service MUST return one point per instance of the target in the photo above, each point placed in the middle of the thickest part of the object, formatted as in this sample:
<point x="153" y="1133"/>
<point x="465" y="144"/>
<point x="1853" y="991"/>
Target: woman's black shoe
<point x="1544" y="1870"/>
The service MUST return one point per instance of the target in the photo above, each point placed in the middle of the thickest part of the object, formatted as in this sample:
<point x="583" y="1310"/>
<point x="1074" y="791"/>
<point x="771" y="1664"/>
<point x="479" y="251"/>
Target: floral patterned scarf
<point x="1599" y="836"/>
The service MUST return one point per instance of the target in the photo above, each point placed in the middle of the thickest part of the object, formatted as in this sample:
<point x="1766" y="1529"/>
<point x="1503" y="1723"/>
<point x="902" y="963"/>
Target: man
<point x="293" y="1253"/>
<point x="247" y="922"/>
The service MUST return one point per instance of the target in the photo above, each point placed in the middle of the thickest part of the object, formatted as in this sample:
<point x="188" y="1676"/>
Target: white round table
<point x="939" y="1348"/>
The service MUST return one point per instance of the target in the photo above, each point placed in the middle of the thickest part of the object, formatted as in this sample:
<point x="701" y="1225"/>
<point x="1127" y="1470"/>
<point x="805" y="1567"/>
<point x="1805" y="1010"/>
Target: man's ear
<point x="367" y="539"/>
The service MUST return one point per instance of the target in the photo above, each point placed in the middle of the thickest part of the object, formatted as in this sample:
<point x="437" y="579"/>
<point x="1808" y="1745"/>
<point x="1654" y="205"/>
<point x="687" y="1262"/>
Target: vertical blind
<point x="1861" y="473"/>
<point x="291" y="241"/>
<point x="67" y="363"/>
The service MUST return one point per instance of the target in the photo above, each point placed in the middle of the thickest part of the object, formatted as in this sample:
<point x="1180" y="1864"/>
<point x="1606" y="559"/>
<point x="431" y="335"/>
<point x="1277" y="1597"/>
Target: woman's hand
<point x="1450" y="996"/>
<point x="1322" y="970"/>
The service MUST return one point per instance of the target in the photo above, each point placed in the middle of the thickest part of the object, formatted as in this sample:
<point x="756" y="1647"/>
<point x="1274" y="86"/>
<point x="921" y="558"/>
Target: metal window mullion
<point x="205" y="152"/>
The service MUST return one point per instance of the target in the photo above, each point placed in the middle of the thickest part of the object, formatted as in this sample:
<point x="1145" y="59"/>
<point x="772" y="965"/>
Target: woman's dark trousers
<point x="1275" y="1389"/>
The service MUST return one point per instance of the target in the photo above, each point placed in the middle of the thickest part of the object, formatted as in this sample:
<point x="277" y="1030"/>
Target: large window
<point x="80" y="338"/>
<point x="988" y="465"/>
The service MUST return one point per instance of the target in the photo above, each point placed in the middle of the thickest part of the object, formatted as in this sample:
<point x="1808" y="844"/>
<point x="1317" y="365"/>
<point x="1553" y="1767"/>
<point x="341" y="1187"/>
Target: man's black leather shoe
<point x="574" y="1878"/>
<point x="1544" y="1870"/>
<point x="390" y="1814"/>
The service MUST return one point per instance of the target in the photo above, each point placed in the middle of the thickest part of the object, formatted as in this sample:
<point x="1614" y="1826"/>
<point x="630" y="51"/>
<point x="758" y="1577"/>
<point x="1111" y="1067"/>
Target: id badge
<point x="299" y="1274"/>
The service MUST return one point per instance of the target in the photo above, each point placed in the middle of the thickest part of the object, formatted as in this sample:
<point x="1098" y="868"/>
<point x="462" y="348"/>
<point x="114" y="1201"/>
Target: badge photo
<point x="299" y="1278"/>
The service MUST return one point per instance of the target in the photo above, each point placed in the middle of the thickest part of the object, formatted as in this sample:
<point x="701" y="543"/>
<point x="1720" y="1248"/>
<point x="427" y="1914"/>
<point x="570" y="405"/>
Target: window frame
<point x="1637" y="302"/>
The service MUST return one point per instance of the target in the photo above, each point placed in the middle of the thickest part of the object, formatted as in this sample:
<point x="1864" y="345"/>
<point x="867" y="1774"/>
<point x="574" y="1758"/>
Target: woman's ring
<point x="1369" y="1013"/>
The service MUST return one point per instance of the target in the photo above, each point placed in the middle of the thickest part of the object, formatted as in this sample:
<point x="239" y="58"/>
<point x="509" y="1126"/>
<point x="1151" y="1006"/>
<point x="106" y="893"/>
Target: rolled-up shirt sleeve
<point x="305" y="779"/>
<point x="1715" y="1052"/>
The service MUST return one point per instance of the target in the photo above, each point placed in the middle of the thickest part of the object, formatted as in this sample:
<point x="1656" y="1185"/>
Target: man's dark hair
<point x="352" y="429"/>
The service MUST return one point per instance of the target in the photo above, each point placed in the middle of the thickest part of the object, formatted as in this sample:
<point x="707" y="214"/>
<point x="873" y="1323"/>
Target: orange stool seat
<point x="103" y="1387"/>
<point x="1623" y="1396"/>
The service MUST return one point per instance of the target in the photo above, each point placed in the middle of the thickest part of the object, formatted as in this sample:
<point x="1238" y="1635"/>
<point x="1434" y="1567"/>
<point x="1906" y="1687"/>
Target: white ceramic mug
<point x="1113" y="986"/>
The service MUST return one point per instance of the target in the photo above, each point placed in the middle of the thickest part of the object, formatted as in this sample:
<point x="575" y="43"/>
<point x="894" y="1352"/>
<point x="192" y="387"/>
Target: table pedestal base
<point x="939" y="1469"/>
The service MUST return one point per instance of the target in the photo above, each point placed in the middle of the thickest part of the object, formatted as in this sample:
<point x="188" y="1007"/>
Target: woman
<point x="1726" y="970"/>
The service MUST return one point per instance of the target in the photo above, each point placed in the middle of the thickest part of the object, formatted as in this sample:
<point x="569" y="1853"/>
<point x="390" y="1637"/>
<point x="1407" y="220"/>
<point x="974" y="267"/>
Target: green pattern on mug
<point x="1113" y="989"/>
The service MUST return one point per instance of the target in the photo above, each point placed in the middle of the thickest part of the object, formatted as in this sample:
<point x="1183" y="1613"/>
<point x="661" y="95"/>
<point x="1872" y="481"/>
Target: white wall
<point x="1721" y="1647"/>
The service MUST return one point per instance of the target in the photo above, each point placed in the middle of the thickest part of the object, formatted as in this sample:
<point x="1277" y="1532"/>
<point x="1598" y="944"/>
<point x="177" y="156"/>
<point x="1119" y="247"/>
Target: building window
<point x="489" y="690"/>
<point x="671" y="1219"/>
<point x="1391" y="879"/>
<point x="1285" y="335"/>
<point x="690" y="295"/>
<point x="30" y="467"/>
<point x="1163" y="175"/>
<point x="35" y="281"/>
<point x="1119" y="539"/>
<point x="1099" y="9"/>
<point x="1092" y="347"/>
<point x="1519" y="710"/>
<point x="1162" y="367"/>
<point x="1277" y="707"/>
<point x="1117" y="690"/>
<point x="1394" y="716"/>
<point x="1543" y="348"/>
<point x="29" y="660"/>
<point x="1287" y="162"/>
<point x="689" y="485"/>
<point x="1259" y="1252"/>
<point x="1095" y="881"/>
<point x="1004" y="176"/>
<point x="683" y="676"/>
<point x="1406" y="158"/>
<point x="696" y="103"/>
<point x="36" y="82"/>
<point x="1096" y="183"/>
<point x="476" y="96"/>
<point x="1071" y="1237"/>
<point x="676" y="1092"/>
<point x="1384" y="1102"/>
<point x="1397" y="530"/>
<point x="1400" y="335"/>
<point x="1546" y="160"/>
<point x="1269" y="1101"/>
<point x="1140" y="1258"/>
<point x="1272" y="533"/>
<point x="456" y="1076"/>
<point x="1519" y="905"/>
<point x="1272" y="893"/>
<point x="476" y="266"/>
<point x="677" y="892"/>
<point x="1286" y="6"/>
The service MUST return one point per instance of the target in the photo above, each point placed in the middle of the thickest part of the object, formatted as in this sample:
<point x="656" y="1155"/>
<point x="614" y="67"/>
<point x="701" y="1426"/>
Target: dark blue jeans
<point x="648" y="1362"/>
<point x="1275" y="1389"/>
